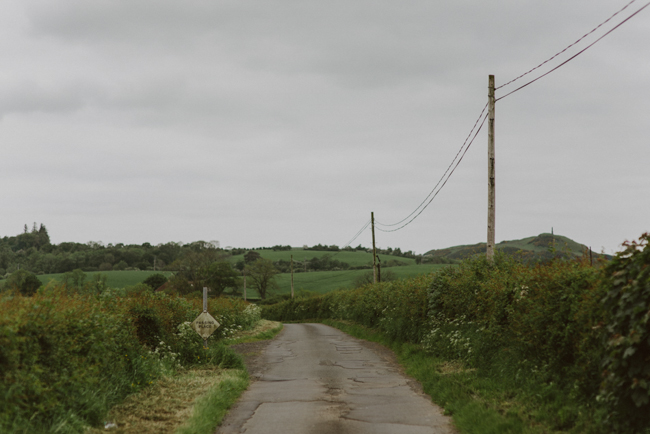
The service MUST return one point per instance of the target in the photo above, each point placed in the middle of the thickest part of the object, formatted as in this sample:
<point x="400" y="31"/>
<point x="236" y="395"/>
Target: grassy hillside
<point x="540" y="247"/>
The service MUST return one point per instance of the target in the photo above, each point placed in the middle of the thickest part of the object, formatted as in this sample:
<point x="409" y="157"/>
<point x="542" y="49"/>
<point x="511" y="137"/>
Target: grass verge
<point x="168" y="403"/>
<point x="264" y="330"/>
<point x="195" y="400"/>
<point x="479" y="403"/>
<point x="210" y="409"/>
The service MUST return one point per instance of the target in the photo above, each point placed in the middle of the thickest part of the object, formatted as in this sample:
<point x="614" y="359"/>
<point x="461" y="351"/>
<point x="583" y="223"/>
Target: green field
<point x="317" y="281"/>
<point x="116" y="279"/>
<point x="325" y="281"/>
<point x="313" y="281"/>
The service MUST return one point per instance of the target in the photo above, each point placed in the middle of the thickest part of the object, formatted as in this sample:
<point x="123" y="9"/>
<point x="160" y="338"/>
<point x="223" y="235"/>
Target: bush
<point x="24" y="282"/>
<point x="397" y="308"/>
<point x="155" y="281"/>
<point x="626" y="386"/>
<point x="540" y="318"/>
<point x="66" y="358"/>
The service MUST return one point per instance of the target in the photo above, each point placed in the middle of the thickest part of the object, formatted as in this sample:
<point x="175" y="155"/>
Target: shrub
<point x="65" y="357"/>
<point x="626" y="386"/>
<point x="155" y="281"/>
<point x="540" y="318"/>
<point x="398" y="308"/>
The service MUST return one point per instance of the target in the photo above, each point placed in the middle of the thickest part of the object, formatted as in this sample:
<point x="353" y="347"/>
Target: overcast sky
<point x="257" y="123"/>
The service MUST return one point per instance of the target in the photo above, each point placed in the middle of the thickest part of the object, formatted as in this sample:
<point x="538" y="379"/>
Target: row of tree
<point x="195" y="270"/>
<point x="33" y="251"/>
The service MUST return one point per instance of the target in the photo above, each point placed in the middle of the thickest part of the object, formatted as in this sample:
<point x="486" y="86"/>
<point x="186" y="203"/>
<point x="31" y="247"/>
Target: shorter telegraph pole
<point x="205" y="324"/>
<point x="291" y="276"/>
<point x="244" y="271"/>
<point x="374" y="249"/>
<point x="378" y="269"/>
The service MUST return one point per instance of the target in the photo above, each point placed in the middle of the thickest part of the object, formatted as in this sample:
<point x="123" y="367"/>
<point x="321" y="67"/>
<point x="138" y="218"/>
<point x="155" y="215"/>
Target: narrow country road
<point x="319" y="380"/>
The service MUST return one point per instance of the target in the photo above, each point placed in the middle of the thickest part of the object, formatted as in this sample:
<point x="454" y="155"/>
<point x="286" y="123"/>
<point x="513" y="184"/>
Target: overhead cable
<point x="578" y="53"/>
<point x="571" y="45"/>
<point x="442" y="177"/>
<point x="358" y="233"/>
<point x="445" y="182"/>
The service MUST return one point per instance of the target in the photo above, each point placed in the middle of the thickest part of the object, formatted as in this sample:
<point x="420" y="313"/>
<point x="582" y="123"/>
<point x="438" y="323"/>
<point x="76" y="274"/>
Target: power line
<point x="441" y="178"/>
<point x="358" y="233"/>
<point x="579" y="52"/>
<point x="443" y="184"/>
<point x="463" y="149"/>
<point x="557" y="54"/>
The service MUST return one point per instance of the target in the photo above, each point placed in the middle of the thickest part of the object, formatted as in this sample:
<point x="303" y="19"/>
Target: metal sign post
<point x="205" y="324"/>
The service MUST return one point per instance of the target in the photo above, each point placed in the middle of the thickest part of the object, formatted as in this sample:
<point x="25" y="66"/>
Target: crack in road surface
<point x="318" y="380"/>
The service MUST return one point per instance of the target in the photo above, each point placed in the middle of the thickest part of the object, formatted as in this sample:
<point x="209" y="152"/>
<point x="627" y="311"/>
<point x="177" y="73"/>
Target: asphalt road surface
<point x="319" y="380"/>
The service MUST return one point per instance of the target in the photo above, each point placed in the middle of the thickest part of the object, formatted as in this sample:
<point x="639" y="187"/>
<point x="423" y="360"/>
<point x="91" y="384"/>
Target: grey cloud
<point x="31" y="96"/>
<point x="254" y="113"/>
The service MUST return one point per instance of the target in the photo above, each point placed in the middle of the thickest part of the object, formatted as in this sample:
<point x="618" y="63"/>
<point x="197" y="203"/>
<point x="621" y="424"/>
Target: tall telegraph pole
<point x="491" y="171"/>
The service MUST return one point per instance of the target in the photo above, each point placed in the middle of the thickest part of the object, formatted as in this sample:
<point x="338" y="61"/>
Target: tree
<point x="205" y="267"/>
<point x="23" y="281"/>
<point x="251" y="256"/>
<point x="97" y="284"/>
<point x="155" y="281"/>
<point x="74" y="280"/>
<point x="220" y="276"/>
<point x="262" y="275"/>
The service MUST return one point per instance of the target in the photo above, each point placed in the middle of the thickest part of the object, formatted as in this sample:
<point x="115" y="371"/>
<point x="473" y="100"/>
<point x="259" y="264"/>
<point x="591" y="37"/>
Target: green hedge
<point x="65" y="359"/>
<point x="398" y="308"/>
<point x="626" y="385"/>
<point x="581" y="334"/>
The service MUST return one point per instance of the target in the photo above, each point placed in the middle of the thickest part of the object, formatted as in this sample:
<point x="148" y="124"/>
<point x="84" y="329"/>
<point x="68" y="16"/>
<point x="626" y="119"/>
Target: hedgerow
<point x="66" y="358"/>
<point x="626" y="384"/>
<point x="397" y="308"/>
<point x="576" y="337"/>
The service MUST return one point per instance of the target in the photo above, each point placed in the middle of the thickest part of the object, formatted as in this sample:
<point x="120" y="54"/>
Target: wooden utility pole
<point x="374" y="249"/>
<point x="491" y="172"/>
<point x="205" y="310"/>
<point x="378" y="269"/>
<point x="244" y="271"/>
<point x="291" y="276"/>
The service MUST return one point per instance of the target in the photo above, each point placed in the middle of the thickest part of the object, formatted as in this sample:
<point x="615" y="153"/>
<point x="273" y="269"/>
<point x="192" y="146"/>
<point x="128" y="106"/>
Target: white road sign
<point x="205" y="325"/>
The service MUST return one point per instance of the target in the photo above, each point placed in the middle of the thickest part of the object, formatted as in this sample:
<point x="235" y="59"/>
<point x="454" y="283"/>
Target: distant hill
<point x="542" y="247"/>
